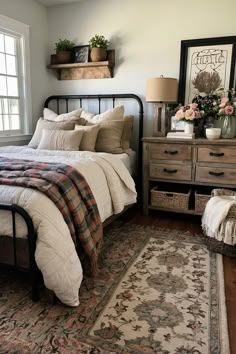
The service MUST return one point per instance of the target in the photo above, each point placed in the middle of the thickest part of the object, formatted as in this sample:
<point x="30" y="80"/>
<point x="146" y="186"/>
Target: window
<point x="14" y="78"/>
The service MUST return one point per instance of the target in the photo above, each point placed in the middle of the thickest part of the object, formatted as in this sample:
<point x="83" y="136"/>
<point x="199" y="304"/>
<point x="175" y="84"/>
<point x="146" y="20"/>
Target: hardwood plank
<point x="192" y="223"/>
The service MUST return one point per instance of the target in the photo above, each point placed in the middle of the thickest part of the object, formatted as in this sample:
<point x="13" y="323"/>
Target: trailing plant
<point x="98" y="41"/>
<point x="64" y="45"/>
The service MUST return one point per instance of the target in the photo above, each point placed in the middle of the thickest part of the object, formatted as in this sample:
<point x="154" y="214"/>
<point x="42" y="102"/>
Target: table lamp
<point x="160" y="91"/>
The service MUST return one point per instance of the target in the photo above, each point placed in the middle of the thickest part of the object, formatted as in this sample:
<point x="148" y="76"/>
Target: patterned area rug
<point x="158" y="291"/>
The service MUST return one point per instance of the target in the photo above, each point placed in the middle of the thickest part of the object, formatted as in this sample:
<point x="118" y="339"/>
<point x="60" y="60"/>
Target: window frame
<point x="20" y="31"/>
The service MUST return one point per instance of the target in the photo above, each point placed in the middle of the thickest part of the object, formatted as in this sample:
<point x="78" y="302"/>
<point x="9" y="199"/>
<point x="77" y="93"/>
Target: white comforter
<point x="56" y="257"/>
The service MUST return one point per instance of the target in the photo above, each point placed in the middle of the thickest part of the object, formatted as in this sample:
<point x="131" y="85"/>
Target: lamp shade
<point x="161" y="89"/>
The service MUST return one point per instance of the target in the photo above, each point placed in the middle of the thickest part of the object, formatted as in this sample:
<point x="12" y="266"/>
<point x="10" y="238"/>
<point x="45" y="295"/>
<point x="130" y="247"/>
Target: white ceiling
<point x="56" y="2"/>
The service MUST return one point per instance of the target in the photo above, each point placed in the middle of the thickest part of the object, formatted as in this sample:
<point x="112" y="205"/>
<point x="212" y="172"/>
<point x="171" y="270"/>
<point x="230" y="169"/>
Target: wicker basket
<point x="201" y="200"/>
<point x="169" y="199"/>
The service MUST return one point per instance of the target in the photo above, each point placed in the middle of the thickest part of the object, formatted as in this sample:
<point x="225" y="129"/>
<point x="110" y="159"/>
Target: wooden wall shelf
<point x="90" y="70"/>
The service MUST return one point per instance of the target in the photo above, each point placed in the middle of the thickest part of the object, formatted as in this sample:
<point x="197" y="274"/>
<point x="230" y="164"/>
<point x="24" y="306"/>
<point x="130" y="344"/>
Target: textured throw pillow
<point x="127" y="132"/>
<point x="116" y="113"/>
<point x="109" y="137"/>
<point x="89" y="137"/>
<point x="87" y="115"/>
<point x="68" y="140"/>
<point x="44" y="124"/>
<point x="50" y="115"/>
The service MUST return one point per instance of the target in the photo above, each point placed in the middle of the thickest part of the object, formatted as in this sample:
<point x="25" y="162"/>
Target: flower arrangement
<point x="209" y="104"/>
<point x="64" y="45"/>
<point x="227" y="106"/>
<point x="189" y="113"/>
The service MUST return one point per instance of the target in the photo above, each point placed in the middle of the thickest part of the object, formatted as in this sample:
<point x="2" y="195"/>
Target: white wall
<point x="146" y="35"/>
<point x="34" y="15"/>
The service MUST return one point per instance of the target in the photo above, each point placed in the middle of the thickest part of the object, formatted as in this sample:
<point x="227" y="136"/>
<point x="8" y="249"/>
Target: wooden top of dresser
<point x="200" y="141"/>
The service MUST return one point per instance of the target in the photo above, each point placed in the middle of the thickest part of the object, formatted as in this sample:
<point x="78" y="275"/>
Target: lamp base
<point x="161" y="123"/>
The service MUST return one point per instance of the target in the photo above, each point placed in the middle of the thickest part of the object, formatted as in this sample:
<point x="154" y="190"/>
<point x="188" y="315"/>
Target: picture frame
<point x="206" y="64"/>
<point x="81" y="54"/>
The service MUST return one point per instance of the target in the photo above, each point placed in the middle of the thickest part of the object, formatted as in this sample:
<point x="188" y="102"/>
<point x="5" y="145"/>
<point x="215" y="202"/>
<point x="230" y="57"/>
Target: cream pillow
<point x="50" y="115"/>
<point x="44" y="124"/>
<point x="127" y="132"/>
<point x="109" y="137"/>
<point x="116" y="113"/>
<point x="89" y="137"/>
<point x="61" y="140"/>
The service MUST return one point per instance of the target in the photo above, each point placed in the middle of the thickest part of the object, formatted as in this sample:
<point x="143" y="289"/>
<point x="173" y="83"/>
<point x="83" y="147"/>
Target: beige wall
<point x="34" y="15"/>
<point x="146" y="35"/>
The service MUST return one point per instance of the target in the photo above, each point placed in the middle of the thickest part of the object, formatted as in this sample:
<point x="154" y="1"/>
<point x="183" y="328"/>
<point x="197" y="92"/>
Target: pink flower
<point x="190" y="114"/>
<point x="193" y="105"/>
<point x="229" y="110"/>
<point x="180" y="114"/>
<point x="197" y="114"/>
<point x="223" y="102"/>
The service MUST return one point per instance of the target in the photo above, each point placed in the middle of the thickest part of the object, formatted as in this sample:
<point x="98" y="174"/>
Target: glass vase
<point x="228" y="127"/>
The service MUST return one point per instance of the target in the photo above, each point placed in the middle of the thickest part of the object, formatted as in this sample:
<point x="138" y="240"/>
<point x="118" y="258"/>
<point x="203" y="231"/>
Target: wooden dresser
<point x="197" y="162"/>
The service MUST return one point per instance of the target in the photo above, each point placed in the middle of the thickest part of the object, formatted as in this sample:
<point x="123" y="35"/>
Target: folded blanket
<point x="70" y="192"/>
<point x="214" y="215"/>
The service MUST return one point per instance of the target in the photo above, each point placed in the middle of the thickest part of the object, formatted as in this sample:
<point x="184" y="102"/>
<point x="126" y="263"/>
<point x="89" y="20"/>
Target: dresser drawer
<point x="217" y="154"/>
<point x="216" y="175"/>
<point x="169" y="152"/>
<point x="171" y="172"/>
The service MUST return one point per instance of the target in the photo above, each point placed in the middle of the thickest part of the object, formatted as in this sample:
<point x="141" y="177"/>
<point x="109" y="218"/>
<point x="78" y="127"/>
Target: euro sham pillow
<point x="67" y="140"/>
<point x="52" y="116"/>
<point x="44" y="124"/>
<point x="109" y="137"/>
<point x="127" y="132"/>
<point x="89" y="136"/>
<point x="117" y="113"/>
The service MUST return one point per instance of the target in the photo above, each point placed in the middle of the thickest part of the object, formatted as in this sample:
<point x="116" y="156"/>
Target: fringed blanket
<point x="70" y="192"/>
<point x="214" y="216"/>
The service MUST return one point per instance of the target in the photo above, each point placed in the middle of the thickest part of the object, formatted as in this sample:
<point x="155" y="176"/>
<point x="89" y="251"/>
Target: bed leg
<point x="51" y="297"/>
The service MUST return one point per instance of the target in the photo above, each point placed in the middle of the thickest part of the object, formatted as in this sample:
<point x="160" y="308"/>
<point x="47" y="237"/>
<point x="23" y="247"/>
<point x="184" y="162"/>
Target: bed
<point x="29" y="234"/>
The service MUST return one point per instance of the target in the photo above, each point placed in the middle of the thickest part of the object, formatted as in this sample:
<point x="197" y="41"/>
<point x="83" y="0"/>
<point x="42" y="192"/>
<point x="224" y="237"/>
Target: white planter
<point x="189" y="128"/>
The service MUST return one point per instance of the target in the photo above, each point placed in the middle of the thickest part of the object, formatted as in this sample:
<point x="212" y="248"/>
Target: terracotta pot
<point x="98" y="54"/>
<point x="64" y="57"/>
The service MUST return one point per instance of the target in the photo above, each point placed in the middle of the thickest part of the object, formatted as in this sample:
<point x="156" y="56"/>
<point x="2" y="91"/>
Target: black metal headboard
<point x="57" y="99"/>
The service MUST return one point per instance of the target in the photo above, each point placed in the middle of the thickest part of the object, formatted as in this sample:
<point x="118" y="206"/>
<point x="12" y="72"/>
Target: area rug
<point x="157" y="291"/>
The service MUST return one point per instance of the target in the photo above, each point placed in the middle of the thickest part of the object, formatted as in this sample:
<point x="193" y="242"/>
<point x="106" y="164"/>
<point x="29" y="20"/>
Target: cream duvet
<point x="56" y="257"/>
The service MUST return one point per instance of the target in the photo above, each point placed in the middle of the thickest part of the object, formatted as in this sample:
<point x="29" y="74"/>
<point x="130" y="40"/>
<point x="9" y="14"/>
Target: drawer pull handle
<point x="217" y="174"/>
<point x="169" y="171"/>
<point x="217" y="154"/>
<point x="171" y="152"/>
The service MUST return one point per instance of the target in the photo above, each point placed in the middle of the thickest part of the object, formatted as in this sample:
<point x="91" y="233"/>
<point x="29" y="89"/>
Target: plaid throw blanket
<point x="70" y="192"/>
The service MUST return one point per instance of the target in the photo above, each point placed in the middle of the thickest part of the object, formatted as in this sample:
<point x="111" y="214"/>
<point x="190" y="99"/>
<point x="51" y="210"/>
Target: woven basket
<point x="169" y="200"/>
<point x="226" y="192"/>
<point x="200" y="201"/>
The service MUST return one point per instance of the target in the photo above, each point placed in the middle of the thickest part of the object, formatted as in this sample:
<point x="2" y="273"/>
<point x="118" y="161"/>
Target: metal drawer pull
<point x="171" y="152"/>
<point x="217" y="154"/>
<point x="169" y="171"/>
<point x="217" y="174"/>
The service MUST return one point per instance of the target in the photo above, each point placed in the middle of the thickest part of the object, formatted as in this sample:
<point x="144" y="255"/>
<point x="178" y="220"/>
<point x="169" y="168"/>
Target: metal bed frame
<point x="15" y="209"/>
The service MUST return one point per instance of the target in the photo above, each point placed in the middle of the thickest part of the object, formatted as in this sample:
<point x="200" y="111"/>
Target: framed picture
<point x="205" y="65"/>
<point x="81" y="54"/>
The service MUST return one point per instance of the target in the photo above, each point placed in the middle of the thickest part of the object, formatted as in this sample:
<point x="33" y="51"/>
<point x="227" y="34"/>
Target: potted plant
<point x="64" y="48"/>
<point x="98" y="45"/>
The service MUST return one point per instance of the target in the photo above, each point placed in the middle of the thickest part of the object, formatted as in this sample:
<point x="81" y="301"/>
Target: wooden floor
<point x="193" y="224"/>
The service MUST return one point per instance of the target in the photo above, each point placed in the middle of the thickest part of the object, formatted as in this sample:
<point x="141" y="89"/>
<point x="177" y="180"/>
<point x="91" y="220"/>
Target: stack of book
<point x="180" y="135"/>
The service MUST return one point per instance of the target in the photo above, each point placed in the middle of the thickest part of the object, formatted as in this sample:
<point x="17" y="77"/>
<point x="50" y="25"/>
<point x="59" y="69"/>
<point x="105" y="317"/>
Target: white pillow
<point x="50" y="115"/>
<point x="67" y="140"/>
<point x="116" y="113"/>
<point x="45" y="124"/>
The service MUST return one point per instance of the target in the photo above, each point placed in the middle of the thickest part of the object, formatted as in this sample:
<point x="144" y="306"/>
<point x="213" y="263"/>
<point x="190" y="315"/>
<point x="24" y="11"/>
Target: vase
<point x="98" y="54"/>
<point x="227" y="127"/>
<point x="188" y="129"/>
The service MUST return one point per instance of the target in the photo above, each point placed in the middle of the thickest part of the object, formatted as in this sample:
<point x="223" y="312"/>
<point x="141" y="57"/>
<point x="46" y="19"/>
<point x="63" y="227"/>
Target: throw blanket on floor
<point x="213" y="218"/>
<point x="70" y="192"/>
